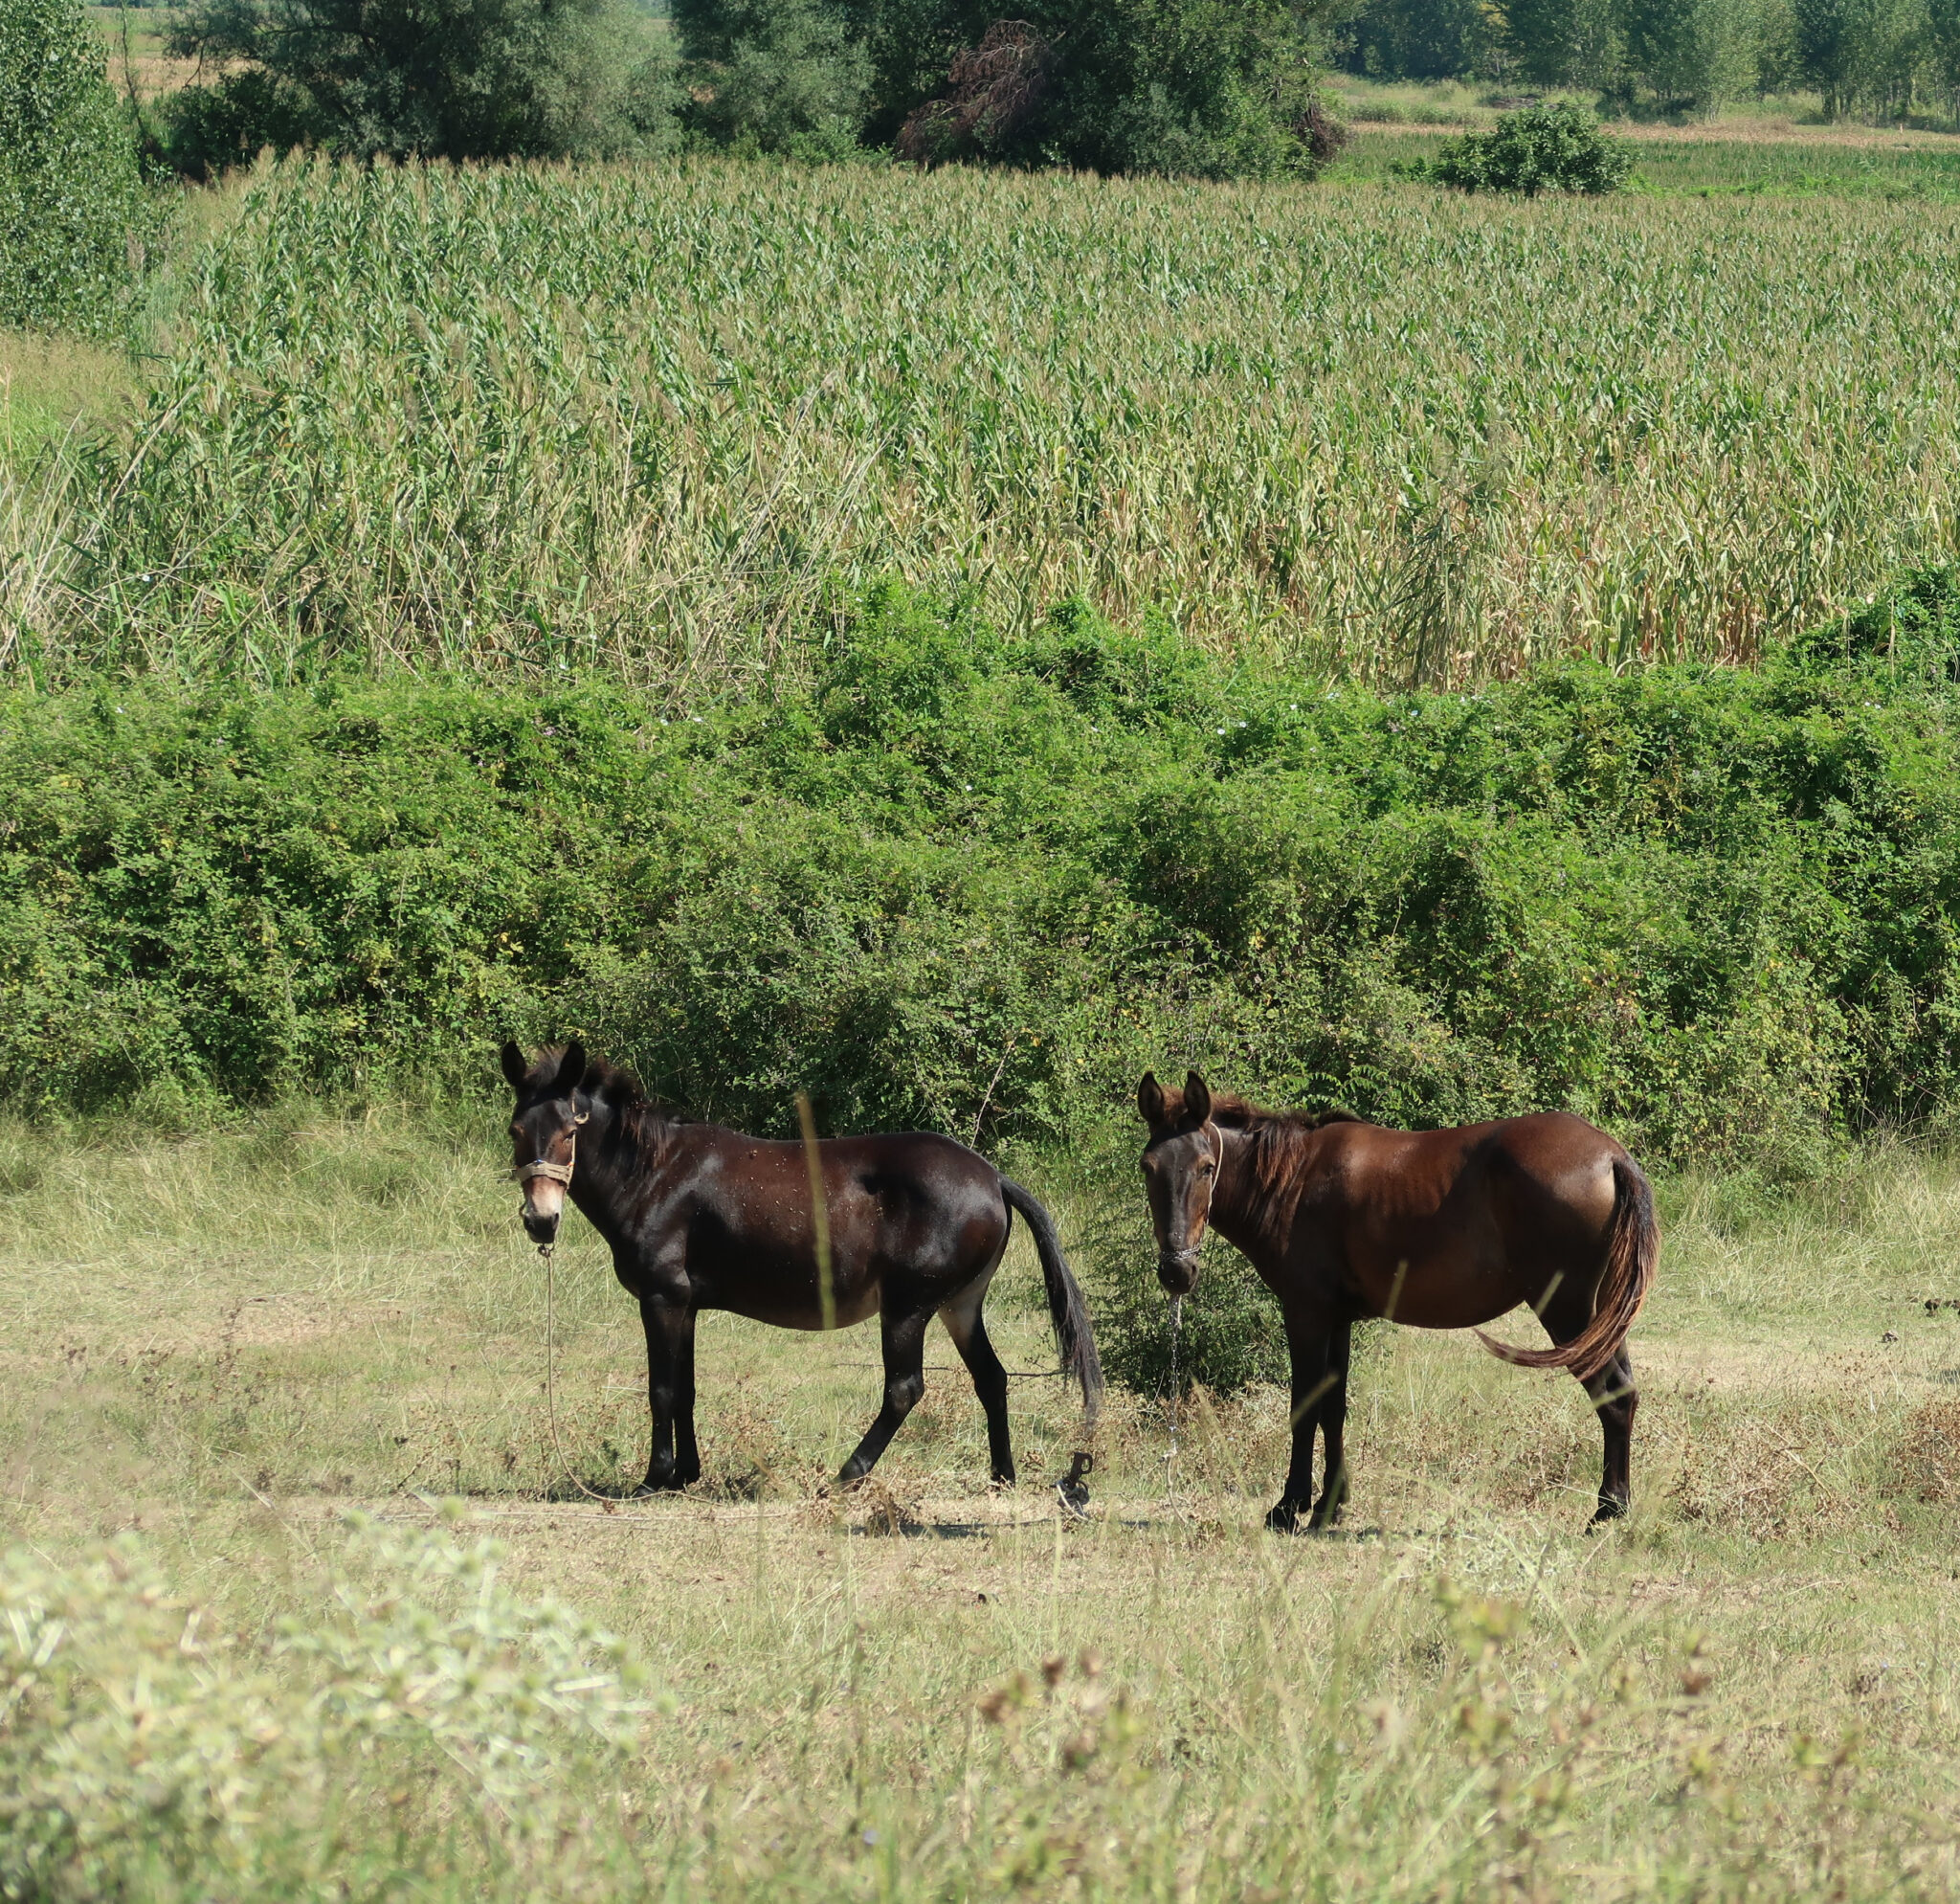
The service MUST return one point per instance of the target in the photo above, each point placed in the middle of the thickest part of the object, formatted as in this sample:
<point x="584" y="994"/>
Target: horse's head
<point x="543" y="1131"/>
<point x="1180" y="1173"/>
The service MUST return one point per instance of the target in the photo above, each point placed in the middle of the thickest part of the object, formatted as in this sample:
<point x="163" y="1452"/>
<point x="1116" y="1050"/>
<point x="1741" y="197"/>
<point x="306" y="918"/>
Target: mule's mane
<point x="640" y="1120"/>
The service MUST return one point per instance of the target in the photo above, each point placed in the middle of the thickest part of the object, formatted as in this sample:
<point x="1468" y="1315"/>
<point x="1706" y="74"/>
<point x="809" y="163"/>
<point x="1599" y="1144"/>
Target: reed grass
<point x="215" y="1343"/>
<point x="647" y="420"/>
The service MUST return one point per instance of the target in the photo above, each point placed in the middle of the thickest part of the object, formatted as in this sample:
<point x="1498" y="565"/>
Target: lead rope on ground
<point x="605" y="1501"/>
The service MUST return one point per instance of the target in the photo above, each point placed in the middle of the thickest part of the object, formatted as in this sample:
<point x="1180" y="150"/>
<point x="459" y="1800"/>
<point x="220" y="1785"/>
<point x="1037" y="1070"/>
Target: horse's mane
<point x="1276" y="1143"/>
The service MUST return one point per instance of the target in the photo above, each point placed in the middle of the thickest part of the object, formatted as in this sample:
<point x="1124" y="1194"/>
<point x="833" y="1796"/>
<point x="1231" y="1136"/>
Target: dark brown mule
<point x="701" y="1217"/>
<point x="1441" y="1229"/>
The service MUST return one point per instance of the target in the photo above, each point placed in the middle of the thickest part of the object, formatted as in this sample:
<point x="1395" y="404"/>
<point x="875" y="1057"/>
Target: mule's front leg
<point x="904" y="1382"/>
<point x="670" y="1368"/>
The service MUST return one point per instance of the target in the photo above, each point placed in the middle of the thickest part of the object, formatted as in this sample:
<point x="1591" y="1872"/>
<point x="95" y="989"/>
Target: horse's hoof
<point x="1283" y="1519"/>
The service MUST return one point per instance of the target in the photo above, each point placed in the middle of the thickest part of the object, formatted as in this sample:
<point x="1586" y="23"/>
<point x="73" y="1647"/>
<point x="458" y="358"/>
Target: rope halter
<point x="543" y="1166"/>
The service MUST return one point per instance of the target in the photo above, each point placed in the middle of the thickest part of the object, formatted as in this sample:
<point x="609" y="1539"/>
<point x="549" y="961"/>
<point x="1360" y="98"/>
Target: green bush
<point x="962" y="881"/>
<point x="1540" y="148"/>
<point x="74" y="217"/>
<point x="139" y="1762"/>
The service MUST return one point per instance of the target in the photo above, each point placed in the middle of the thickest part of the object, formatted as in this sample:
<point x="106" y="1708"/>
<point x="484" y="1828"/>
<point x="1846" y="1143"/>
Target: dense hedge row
<point x="952" y="878"/>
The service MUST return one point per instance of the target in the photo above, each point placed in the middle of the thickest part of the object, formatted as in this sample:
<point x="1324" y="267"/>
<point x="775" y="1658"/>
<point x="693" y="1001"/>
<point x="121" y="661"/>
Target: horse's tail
<point x="1073" y="1335"/>
<point x="1632" y="1250"/>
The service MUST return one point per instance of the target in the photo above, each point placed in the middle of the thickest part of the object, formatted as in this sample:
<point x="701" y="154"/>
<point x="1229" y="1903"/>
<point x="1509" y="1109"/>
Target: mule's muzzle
<point x="540" y="1227"/>
<point x="1178" y="1272"/>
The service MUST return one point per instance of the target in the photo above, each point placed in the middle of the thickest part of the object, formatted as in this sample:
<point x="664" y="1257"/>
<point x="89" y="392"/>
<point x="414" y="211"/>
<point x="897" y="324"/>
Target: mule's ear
<point x="514" y="1066"/>
<point x="1198" y="1098"/>
<point x="572" y="1071"/>
<point x="1151" y="1100"/>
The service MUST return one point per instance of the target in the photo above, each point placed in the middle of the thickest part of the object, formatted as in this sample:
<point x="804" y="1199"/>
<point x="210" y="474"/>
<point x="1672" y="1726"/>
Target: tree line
<point x="1217" y="88"/>
<point x="1883" y="57"/>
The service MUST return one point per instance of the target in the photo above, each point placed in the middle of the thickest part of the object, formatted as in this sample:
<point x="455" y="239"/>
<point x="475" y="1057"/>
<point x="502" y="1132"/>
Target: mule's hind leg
<point x="968" y="1327"/>
<point x="1615" y="1399"/>
<point x="904" y="1382"/>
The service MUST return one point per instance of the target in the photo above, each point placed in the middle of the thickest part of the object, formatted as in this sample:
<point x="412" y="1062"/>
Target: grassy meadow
<point x="409" y="444"/>
<point x="218" y="1347"/>
<point x="648" y="420"/>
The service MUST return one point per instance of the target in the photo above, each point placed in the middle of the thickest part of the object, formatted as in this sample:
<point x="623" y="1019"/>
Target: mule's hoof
<point x="1284" y="1518"/>
<point x="1608" y="1510"/>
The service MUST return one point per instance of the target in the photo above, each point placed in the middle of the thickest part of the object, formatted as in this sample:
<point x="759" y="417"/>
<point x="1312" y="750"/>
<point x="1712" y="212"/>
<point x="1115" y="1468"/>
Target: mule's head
<point x="544" y="1130"/>
<point x="1180" y="1173"/>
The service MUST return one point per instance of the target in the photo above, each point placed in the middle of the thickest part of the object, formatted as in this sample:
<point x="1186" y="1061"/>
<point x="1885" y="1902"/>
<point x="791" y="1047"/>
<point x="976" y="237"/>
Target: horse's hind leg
<point x="904" y="1382"/>
<point x="1614" y="1397"/>
<point x="968" y="1327"/>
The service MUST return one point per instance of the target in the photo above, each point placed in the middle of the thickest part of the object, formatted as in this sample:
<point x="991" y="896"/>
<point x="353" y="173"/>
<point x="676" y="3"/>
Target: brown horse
<point x="701" y="1217"/>
<point x="1441" y="1229"/>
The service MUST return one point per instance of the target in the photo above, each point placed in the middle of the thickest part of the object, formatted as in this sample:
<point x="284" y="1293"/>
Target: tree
<point x="74" y="215"/>
<point x="1943" y="44"/>
<point x="1205" y="88"/>
<point x="432" y="78"/>
<point x="1693" y="54"/>
<point x="775" y="75"/>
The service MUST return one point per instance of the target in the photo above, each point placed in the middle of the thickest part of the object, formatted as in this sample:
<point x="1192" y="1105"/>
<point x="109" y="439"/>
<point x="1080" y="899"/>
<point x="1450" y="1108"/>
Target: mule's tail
<point x="1066" y="1310"/>
<point x="1632" y="1250"/>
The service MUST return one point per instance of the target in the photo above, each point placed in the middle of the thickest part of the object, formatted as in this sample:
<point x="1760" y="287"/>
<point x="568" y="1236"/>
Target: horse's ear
<point x="514" y="1066"/>
<point x="572" y="1071"/>
<point x="1151" y="1100"/>
<point x="1198" y="1098"/>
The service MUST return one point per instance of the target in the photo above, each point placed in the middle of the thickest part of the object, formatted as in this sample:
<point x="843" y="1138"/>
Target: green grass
<point x="217" y="1343"/>
<point x="657" y="414"/>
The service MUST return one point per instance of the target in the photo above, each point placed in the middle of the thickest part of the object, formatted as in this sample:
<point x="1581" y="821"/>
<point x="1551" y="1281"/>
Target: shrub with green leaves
<point x="74" y="217"/>
<point x="947" y="877"/>
<point x="1539" y="148"/>
<point x="145" y="1752"/>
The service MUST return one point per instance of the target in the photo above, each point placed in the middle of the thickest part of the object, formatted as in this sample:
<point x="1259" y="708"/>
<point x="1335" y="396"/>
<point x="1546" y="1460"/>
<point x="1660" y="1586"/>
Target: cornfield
<point x="656" y="420"/>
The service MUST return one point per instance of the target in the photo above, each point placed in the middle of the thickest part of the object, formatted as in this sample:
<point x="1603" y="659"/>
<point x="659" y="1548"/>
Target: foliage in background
<point x="458" y="80"/>
<point x="1542" y="148"/>
<point x="1887" y="59"/>
<point x="74" y="217"/>
<point x="774" y="76"/>
<point x="962" y="882"/>
<point x="140" y="1756"/>
<point x="521" y="418"/>
<point x="1204" y="88"/>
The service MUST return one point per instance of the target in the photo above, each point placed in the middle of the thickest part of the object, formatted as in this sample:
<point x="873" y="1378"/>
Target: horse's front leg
<point x="1334" y="1413"/>
<point x="1310" y="1346"/>
<point x="904" y="1382"/>
<point x="670" y="1367"/>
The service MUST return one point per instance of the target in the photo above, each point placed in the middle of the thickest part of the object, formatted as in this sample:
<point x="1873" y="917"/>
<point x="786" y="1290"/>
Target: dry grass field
<point x="217" y="1347"/>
